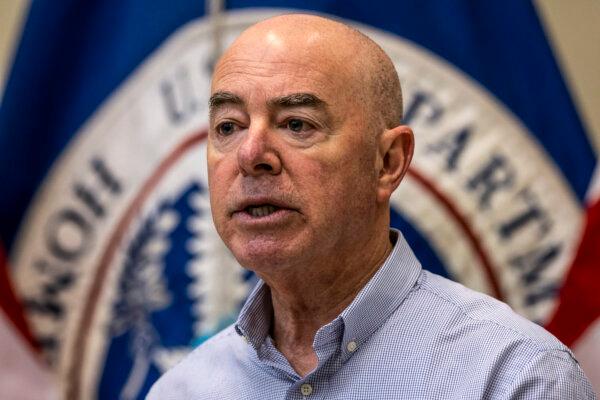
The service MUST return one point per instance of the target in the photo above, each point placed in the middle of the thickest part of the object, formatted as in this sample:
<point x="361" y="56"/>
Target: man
<point x="305" y="149"/>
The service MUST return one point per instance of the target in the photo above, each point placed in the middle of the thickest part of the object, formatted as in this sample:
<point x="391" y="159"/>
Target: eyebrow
<point x="219" y="99"/>
<point x="297" y="100"/>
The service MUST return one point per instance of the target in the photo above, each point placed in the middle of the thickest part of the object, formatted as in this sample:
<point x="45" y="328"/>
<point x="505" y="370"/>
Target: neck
<point x="306" y="297"/>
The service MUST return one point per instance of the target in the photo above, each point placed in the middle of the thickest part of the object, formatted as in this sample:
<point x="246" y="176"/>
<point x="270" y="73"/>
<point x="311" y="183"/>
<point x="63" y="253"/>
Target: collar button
<point x="352" y="346"/>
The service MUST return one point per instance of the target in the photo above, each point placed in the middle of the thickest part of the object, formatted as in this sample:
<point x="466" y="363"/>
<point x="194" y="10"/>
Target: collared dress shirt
<point x="408" y="334"/>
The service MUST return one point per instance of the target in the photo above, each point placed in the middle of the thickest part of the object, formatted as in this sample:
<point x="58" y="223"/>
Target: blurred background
<point x="110" y="268"/>
<point x="572" y="28"/>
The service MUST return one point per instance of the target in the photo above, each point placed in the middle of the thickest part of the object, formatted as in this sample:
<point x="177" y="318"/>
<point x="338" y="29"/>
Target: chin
<point x="259" y="253"/>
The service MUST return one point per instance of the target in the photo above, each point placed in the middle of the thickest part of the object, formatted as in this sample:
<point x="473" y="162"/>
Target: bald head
<point x="367" y="75"/>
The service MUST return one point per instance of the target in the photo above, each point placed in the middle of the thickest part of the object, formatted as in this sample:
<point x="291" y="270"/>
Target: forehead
<point x="275" y="68"/>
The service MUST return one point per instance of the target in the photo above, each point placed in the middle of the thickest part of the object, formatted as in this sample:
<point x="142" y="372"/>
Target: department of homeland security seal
<point x="122" y="272"/>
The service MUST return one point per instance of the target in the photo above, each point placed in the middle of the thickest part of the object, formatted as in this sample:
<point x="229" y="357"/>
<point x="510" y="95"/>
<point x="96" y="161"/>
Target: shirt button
<point x="306" y="389"/>
<point x="352" y="346"/>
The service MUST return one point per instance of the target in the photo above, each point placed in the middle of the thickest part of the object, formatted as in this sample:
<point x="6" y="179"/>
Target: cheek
<point x="352" y="186"/>
<point x="337" y="188"/>
<point x="219" y="181"/>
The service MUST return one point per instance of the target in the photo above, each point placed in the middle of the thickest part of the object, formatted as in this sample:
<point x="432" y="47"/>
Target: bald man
<point x="305" y="149"/>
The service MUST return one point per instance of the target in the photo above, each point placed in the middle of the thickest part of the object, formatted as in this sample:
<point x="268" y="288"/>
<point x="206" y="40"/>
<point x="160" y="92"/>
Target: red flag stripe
<point x="10" y="304"/>
<point x="579" y="303"/>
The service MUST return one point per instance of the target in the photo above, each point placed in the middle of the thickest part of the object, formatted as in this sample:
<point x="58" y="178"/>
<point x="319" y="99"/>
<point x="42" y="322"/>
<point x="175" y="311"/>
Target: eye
<point x="226" y="128"/>
<point x="297" y="125"/>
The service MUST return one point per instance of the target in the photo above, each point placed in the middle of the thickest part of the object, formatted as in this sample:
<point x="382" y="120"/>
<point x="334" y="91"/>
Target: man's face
<point x="291" y="158"/>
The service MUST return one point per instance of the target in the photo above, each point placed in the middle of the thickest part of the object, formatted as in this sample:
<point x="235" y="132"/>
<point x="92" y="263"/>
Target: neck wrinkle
<point x="301" y="308"/>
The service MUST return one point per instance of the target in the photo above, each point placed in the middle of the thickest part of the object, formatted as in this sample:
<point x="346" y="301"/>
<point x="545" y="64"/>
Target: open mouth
<point x="261" y="210"/>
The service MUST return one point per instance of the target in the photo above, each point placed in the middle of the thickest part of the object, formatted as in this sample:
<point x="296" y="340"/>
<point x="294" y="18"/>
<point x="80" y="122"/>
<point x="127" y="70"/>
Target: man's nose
<point x="257" y="154"/>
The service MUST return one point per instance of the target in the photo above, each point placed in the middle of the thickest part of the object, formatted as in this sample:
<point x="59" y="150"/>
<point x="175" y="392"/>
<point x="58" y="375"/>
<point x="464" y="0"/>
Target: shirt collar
<point x="382" y="295"/>
<point x="373" y="305"/>
<point x="254" y="320"/>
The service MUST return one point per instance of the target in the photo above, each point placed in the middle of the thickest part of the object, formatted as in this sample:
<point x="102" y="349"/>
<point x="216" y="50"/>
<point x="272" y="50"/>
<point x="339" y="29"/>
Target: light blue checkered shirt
<point x="409" y="334"/>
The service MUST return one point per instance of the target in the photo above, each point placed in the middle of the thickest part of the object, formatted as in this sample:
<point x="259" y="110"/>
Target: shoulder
<point x="470" y="334"/>
<point x="482" y="312"/>
<point x="550" y="374"/>
<point x="213" y="359"/>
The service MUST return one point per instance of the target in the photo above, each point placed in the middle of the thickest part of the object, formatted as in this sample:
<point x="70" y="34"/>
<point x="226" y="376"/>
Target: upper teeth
<point x="261" y="211"/>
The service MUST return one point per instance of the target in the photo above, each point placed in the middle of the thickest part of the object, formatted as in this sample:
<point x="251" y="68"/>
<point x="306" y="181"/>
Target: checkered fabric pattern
<point x="409" y="334"/>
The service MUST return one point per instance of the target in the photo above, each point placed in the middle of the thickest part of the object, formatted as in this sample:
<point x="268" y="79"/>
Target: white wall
<point x="12" y="13"/>
<point x="574" y="29"/>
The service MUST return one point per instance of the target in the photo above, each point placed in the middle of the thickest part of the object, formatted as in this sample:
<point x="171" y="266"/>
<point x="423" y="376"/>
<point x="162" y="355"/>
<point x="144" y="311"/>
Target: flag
<point x="22" y="375"/>
<point x="105" y="213"/>
<point x="576" y="321"/>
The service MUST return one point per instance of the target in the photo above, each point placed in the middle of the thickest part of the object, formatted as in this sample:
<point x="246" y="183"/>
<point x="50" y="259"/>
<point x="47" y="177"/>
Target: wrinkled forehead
<point x="286" y="60"/>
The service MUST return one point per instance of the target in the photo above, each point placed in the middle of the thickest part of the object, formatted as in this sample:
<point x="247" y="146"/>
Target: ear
<point x="396" y="148"/>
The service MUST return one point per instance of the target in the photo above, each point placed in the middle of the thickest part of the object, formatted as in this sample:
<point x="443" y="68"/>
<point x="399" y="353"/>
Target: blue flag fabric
<point x="72" y="55"/>
<point x="75" y="56"/>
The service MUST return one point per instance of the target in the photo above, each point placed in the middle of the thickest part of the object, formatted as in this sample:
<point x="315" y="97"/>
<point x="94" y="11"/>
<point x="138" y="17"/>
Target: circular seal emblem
<point x="122" y="271"/>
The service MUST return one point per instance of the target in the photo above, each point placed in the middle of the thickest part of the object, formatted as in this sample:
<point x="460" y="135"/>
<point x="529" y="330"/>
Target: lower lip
<point x="277" y="217"/>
